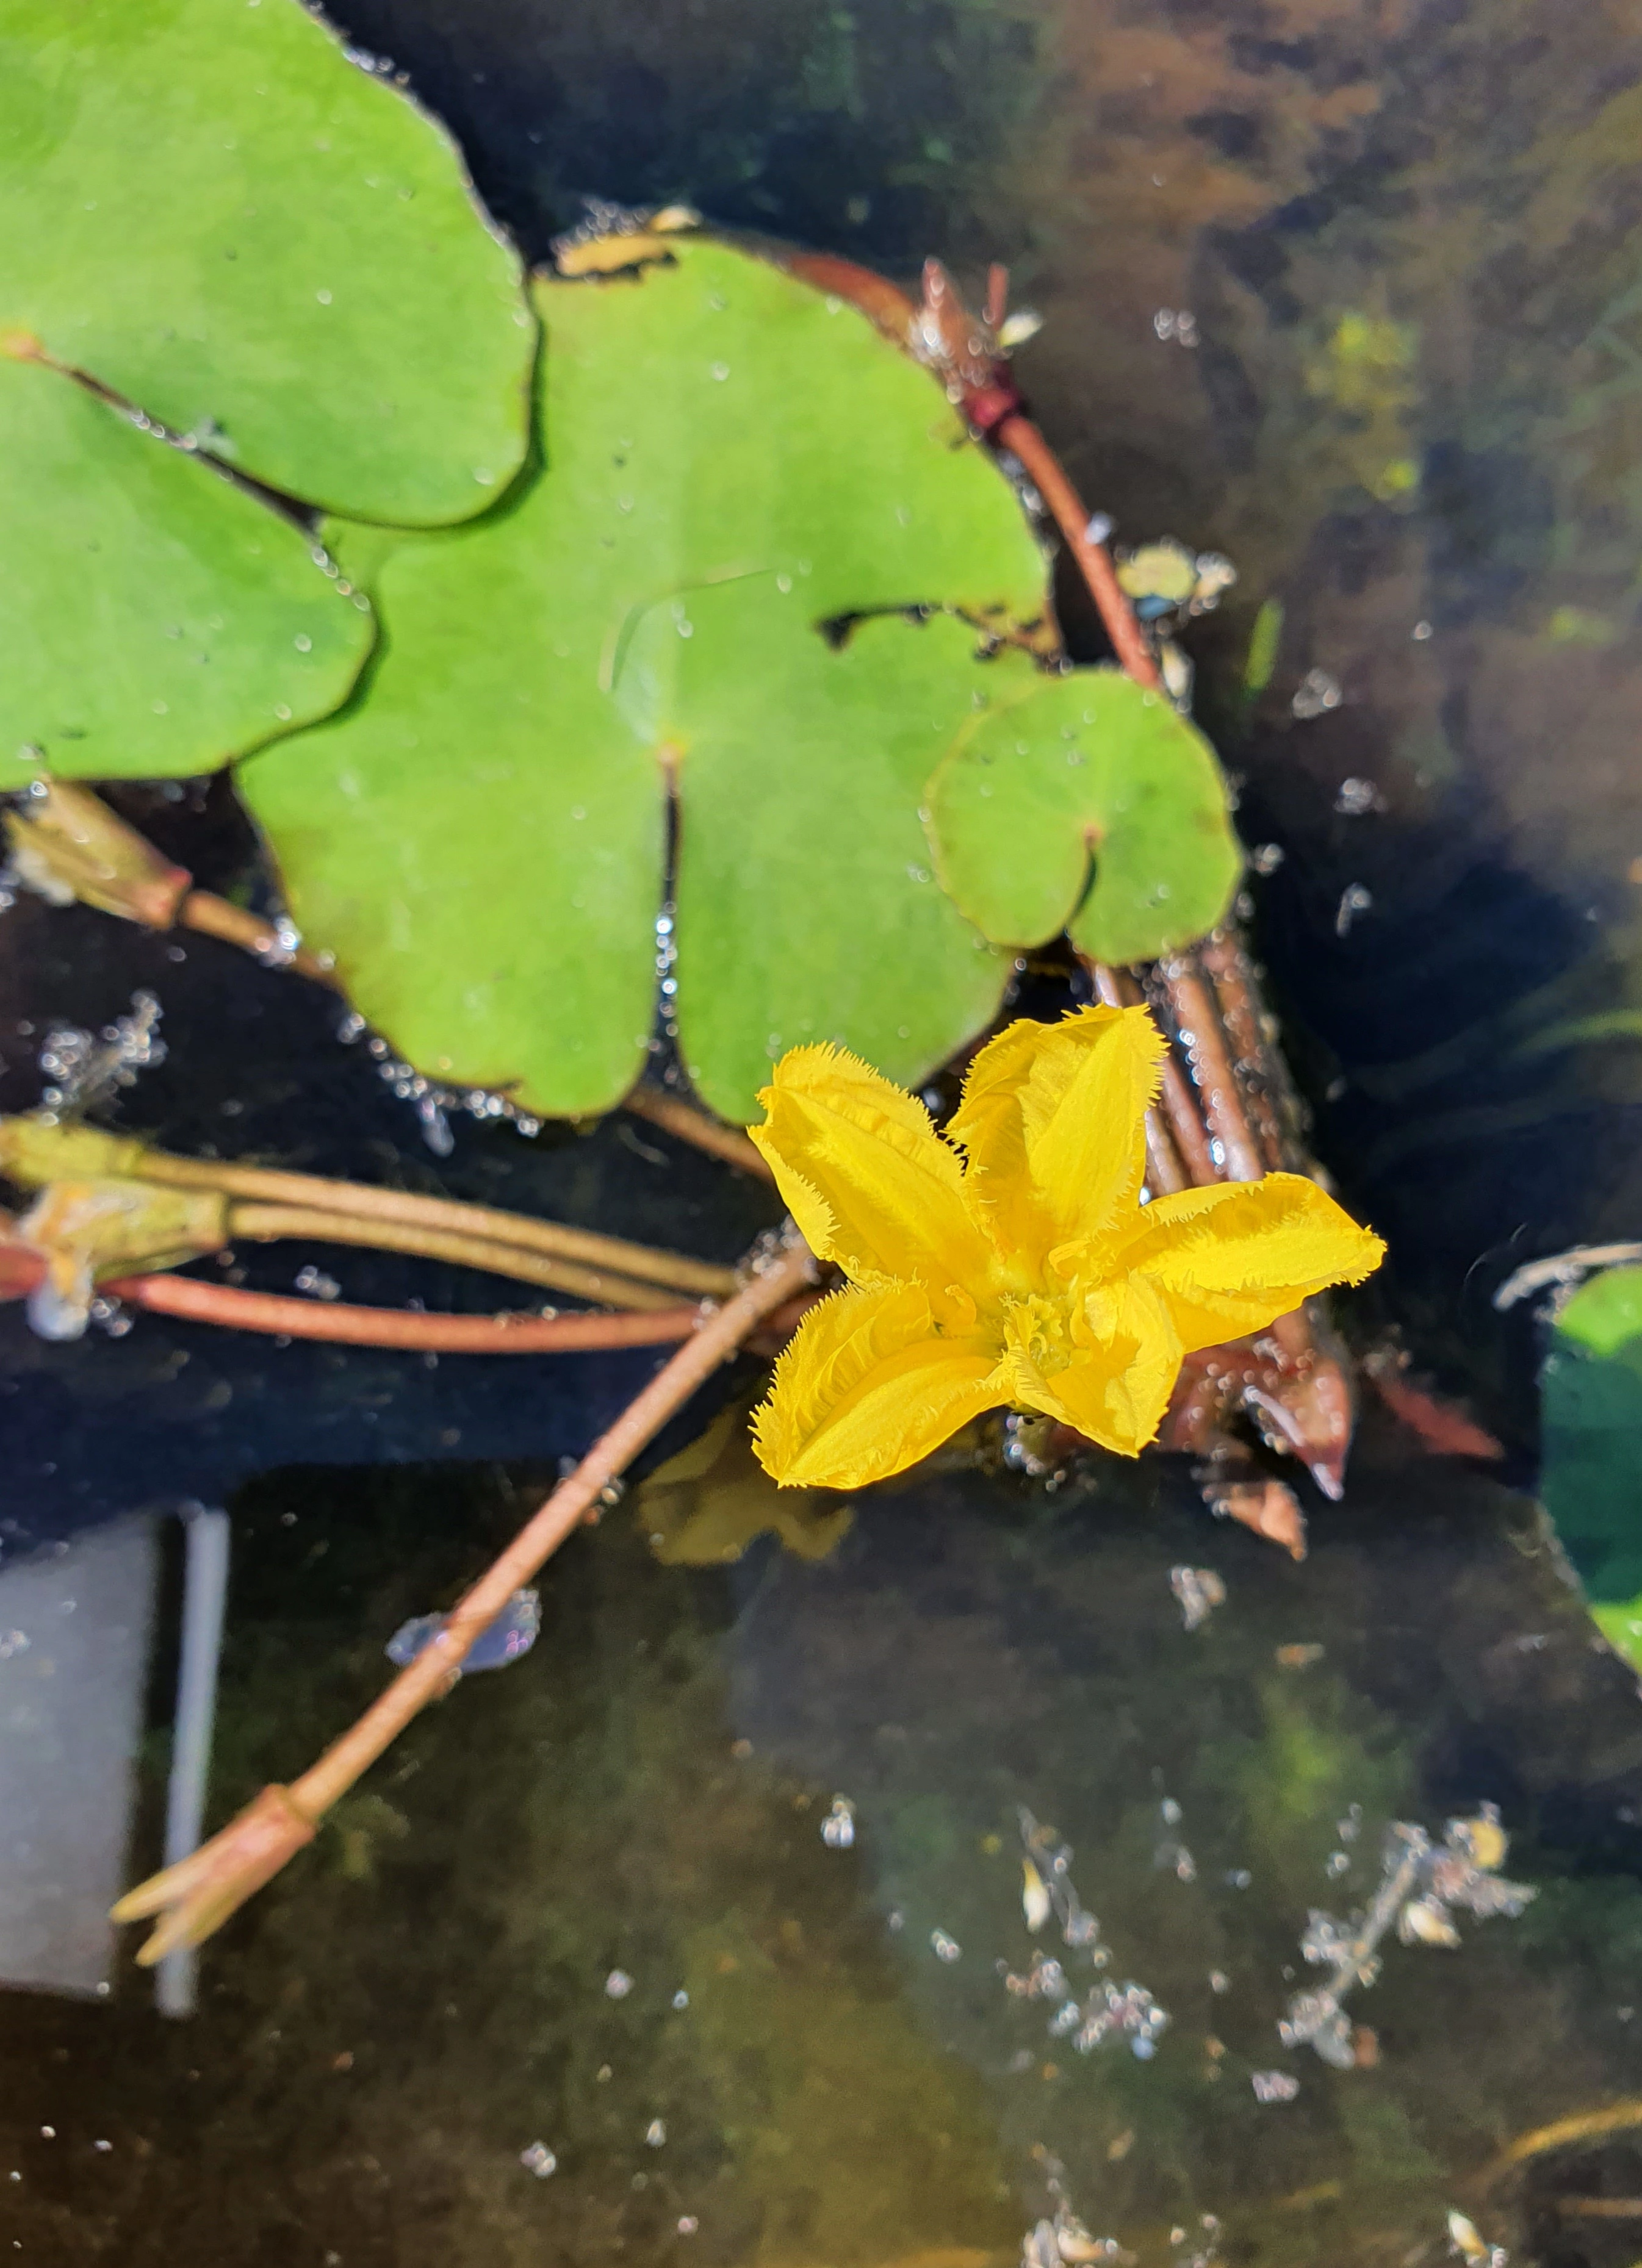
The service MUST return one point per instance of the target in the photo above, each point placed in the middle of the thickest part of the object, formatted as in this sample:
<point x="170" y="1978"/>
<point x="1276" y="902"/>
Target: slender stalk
<point x="1272" y="1106"/>
<point x="1199" y="1036"/>
<point x="197" y="1895"/>
<point x="214" y="916"/>
<point x="265" y="1224"/>
<point x="274" y="1314"/>
<point x="676" y="1116"/>
<point x="1018" y="435"/>
<point x="361" y="1203"/>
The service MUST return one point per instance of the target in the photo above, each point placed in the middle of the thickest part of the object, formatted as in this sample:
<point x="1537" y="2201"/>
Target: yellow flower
<point x="1024" y="1271"/>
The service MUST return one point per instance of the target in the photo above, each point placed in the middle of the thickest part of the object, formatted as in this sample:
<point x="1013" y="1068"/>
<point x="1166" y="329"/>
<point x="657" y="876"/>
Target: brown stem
<point x="1019" y="436"/>
<point x="1199" y="1036"/>
<point x="205" y="1889"/>
<point x="676" y="1116"/>
<point x="336" y="1324"/>
<point x="361" y="1202"/>
<point x="265" y="1224"/>
<point x="1272" y="1105"/>
<point x="214" y="916"/>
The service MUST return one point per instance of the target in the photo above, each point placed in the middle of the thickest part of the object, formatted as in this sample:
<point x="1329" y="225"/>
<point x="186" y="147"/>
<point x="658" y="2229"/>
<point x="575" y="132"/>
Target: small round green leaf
<point x="208" y="208"/>
<point x="155" y="618"/>
<point x="1080" y="764"/>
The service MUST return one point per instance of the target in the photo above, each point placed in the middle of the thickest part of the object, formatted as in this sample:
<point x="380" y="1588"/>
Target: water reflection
<point x="833" y="2032"/>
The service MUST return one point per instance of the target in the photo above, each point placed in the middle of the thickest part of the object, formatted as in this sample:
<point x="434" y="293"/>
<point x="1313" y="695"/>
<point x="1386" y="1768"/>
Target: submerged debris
<point x="1420" y="1882"/>
<point x="1106" y="2010"/>
<point x="513" y="1632"/>
<point x="1465" y="2238"/>
<point x="1200" y="1590"/>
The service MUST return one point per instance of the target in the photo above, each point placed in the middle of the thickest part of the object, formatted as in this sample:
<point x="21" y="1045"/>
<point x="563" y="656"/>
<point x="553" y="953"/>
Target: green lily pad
<point x="155" y="618"/>
<point x="481" y="841"/>
<point x="740" y="604"/>
<point x="1087" y="766"/>
<point x="1591" y="1452"/>
<point x="213" y="212"/>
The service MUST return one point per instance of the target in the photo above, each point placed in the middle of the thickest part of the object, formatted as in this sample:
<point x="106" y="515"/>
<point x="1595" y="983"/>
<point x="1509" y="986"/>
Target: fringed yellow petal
<point x="1053" y="1119"/>
<point x="865" y="1176"/>
<point x="1117" y="1387"/>
<point x="1231" y="1259"/>
<point x="868" y="1386"/>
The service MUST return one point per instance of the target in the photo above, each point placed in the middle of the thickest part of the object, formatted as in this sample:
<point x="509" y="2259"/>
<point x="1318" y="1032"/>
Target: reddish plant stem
<point x="1020" y="437"/>
<point x="194" y="1897"/>
<point x="203" y="911"/>
<point x="574" y="1500"/>
<point x="336" y="1324"/>
<point x="1272" y="1108"/>
<point x="1198" y="1034"/>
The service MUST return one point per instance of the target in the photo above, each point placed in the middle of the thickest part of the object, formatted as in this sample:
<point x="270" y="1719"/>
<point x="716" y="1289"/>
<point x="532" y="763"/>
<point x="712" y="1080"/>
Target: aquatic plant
<point x="1025" y="1273"/>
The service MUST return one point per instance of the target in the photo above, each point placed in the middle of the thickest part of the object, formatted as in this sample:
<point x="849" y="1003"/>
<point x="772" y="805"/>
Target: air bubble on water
<point x="317" y="1284"/>
<point x="1355" y="899"/>
<point x="681" y="1999"/>
<point x="618" y="1985"/>
<point x="538" y="2159"/>
<point x="323" y="297"/>
<point x="282" y="712"/>
<point x="656" y="2133"/>
<point x="945" y="1948"/>
<point x="721" y="370"/>
<point x="783" y="584"/>
<point x="12" y="1642"/>
<point x="303" y="643"/>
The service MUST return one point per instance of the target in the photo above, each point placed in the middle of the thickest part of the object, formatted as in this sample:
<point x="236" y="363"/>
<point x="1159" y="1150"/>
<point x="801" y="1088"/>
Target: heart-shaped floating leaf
<point x="1075" y="765"/>
<point x="154" y="617"/>
<point x="209" y="208"/>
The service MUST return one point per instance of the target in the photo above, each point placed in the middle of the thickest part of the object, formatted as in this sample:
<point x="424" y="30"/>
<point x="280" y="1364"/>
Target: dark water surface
<point x="1407" y="239"/>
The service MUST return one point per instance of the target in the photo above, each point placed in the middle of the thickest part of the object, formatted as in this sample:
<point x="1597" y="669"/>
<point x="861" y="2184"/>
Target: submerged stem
<point x="358" y="1202"/>
<point x="276" y="1315"/>
<point x="1017" y="434"/>
<point x="196" y="1897"/>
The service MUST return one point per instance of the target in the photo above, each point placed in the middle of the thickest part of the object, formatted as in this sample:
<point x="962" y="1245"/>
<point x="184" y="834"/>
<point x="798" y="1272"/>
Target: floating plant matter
<point x="1421" y="1884"/>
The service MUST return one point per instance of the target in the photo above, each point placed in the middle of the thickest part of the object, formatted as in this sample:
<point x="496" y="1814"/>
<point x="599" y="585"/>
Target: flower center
<point x="1042" y="1326"/>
